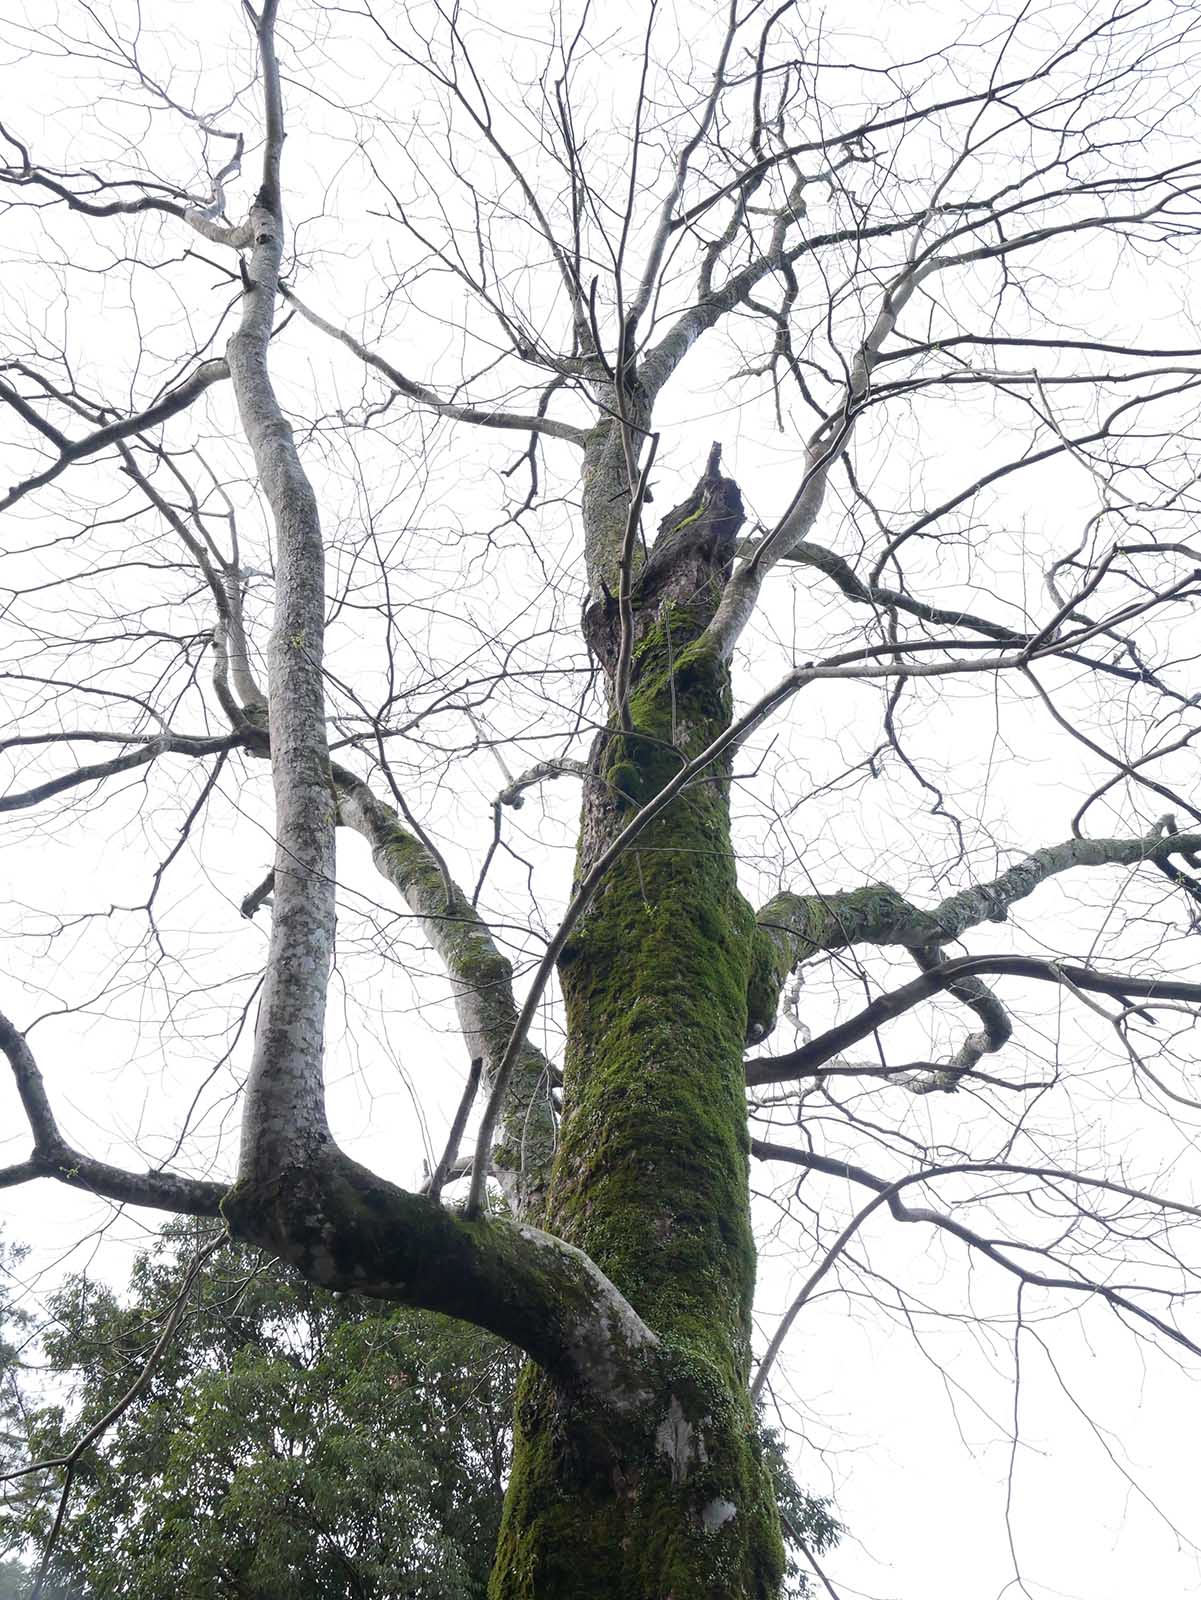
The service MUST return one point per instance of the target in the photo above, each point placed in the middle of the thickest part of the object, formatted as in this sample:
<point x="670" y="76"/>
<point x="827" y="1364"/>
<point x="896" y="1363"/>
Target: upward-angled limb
<point x="794" y="928"/>
<point x="481" y="986"/>
<point x="176" y="400"/>
<point x="800" y="925"/>
<point x="481" y="416"/>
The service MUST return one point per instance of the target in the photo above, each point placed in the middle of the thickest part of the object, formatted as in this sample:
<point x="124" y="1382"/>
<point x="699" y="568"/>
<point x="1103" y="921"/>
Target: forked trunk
<point x="651" y="1178"/>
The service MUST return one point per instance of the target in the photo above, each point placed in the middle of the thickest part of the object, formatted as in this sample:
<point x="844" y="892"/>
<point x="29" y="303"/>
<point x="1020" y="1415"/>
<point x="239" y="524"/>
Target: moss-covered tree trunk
<point x="651" y="1177"/>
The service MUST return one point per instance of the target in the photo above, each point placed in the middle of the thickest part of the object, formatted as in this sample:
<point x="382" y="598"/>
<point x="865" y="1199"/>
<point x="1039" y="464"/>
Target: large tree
<point x="931" y="290"/>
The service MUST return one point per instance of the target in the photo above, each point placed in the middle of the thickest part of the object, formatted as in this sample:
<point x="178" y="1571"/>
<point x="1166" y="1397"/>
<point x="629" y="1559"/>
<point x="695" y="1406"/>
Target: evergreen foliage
<point x="292" y="1444"/>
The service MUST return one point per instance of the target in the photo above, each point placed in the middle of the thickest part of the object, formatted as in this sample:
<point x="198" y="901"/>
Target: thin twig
<point x="443" y="1169"/>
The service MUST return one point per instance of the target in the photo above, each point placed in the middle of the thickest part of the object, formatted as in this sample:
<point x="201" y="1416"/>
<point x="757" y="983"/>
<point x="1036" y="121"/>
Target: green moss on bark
<point x="770" y="965"/>
<point x="596" y="1512"/>
<point x="651" y="1180"/>
<point x="803" y="924"/>
<point x="346" y="1228"/>
<point x="654" y="1149"/>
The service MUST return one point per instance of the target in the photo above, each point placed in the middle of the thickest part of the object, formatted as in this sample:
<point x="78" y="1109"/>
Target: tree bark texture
<point x="672" y="1501"/>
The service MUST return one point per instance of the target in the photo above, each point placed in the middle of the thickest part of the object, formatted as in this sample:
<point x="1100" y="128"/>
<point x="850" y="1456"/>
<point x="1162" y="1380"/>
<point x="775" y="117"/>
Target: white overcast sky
<point x="908" y="1424"/>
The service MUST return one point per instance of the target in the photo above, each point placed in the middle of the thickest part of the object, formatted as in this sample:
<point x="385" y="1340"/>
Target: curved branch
<point x="802" y="925"/>
<point x="54" y="1158"/>
<point x="995" y="1034"/>
<point x="29" y="176"/>
<point x="839" y="570"/>
<point x="482" y="416"/>
<point x="889" y="1194"/>
<point x="173" y="402"/>
<point x="346" y="1229"/>
<point x="800" y="1063"/>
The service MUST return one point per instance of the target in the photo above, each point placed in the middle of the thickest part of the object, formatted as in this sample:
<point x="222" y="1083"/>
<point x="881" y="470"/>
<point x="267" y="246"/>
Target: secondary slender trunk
<point x="650" y="1180"/>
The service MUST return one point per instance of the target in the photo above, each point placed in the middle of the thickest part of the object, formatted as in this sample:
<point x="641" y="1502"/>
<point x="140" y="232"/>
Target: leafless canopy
<point x="334" y="469"/>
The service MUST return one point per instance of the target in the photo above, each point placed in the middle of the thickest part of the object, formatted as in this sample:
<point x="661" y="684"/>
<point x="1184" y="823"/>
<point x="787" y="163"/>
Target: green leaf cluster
<point x="292" y="1445"/>
<point x="806" y="1520"/>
